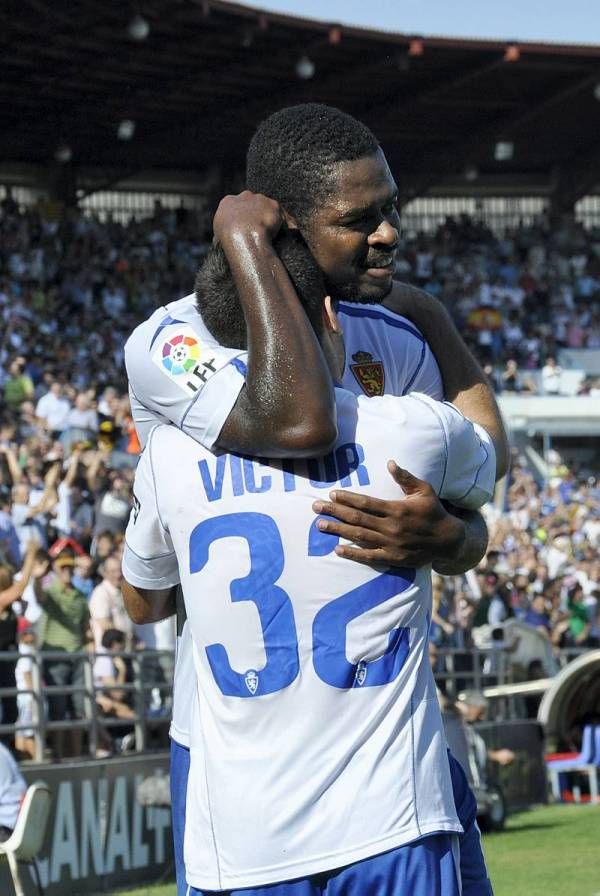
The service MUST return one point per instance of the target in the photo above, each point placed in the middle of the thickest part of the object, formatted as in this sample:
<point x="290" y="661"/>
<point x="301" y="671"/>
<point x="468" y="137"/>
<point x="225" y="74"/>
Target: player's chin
<point x="366" y="290"/>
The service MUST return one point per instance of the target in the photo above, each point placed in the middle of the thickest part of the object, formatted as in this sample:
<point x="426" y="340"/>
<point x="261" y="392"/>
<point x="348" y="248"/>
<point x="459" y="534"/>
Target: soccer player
<point x="324" y="167"/>
<point x="316" y="737"/>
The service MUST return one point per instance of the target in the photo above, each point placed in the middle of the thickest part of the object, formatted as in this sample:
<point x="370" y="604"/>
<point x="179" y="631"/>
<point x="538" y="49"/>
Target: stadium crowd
<point x="518" y="299"/>
<point x="68" y="446"/>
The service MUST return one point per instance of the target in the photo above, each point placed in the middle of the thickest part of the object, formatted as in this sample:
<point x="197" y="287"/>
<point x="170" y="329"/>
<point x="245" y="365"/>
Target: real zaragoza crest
<point x="369" y="374"/>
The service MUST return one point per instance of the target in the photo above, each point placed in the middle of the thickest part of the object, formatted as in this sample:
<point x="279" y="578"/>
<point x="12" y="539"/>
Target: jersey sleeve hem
<point x="150" y="572"/>
<point x="229" y="388"/>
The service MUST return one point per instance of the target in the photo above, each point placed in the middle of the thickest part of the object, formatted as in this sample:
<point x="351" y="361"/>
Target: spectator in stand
<point x="12" y="792"/>
<point x="84" y="577"/>
<point x="551" y="377"/>
<point x="103" y="546"/>
<point x="473" y="707"/>
<point x="107" y="610"/>
<point x="509" y="379"/>
<point x="10" y="592"/>
<point x="114" y="497"/>
<point x="29" y="514"/>
<point x="537" y="615"/>
<point x="64" y="629"/>
<point x="110" y="674"/>
<point x="53" y="410"/>
<point x="10" y="546"/>
<point x="24" y="737"/>
<point x="81" y="423"/>
<point x="18" y="387"/>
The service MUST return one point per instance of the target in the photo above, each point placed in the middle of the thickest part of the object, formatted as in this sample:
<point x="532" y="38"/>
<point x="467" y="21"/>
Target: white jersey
<point x="386" y="355"/>
<point x="316" y="738"/>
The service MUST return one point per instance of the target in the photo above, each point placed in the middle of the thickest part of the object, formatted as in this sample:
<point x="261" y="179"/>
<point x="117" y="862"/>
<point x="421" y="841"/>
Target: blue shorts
<point x="399" y="865"/>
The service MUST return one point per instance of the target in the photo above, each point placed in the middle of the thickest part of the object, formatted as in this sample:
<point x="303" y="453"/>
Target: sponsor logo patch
<point x="187" y="362"/>
<point x="369" y="374"/>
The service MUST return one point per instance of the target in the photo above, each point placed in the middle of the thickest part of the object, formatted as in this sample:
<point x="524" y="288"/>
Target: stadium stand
<point x="68" y="448"/>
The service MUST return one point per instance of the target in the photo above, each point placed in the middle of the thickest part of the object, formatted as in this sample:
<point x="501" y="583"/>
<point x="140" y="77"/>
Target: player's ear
<point x="290" y="221"/>
<point x="330" y="318"/>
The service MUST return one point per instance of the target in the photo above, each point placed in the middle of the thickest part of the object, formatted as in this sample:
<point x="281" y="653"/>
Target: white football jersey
<point x="316" y="738"/>
<point x="385" y="354"/>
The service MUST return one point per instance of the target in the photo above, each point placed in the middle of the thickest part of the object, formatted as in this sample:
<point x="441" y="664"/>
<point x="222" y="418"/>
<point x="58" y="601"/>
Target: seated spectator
<point x="12" y="792"/>
<point x="509" y="378"/>
<point x="24" y="737"/>
<point x="551" y="377"/>
<point x="473" y="707"/>
<point x="63" y="629"/>
<point x="10" y="592"/>
<point x="110" y="672"/>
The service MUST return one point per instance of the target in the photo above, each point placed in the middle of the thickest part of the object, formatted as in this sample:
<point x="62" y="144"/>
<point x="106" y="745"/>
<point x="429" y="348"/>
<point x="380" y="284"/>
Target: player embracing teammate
<point x="303" y="696"/>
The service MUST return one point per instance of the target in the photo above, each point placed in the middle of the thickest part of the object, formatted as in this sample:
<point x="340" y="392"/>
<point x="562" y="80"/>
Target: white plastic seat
<point x="26" y="840"/>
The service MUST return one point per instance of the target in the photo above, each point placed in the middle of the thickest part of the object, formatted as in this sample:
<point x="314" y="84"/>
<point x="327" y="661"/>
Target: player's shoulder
<point x="379" y="314"/>
<point x="182" y="311"/>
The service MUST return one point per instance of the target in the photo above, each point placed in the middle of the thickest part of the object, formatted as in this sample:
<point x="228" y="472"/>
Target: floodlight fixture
<point x="138" y="28"/>
<point x="305" y="68"/>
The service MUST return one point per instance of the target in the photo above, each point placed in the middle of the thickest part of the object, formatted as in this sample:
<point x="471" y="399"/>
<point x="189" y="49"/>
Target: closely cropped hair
<point x="293" y="152"/>
<point x="217" y="299"/>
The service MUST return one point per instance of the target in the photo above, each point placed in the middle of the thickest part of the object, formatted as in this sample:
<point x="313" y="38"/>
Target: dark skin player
<point x="353" y="236"/>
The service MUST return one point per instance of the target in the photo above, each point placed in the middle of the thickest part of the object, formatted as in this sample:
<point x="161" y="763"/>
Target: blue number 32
<point x="277" y="616"/>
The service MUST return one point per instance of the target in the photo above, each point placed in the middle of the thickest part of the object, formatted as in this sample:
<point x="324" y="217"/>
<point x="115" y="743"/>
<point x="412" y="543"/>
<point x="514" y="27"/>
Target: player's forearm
<point x="465" y="383"/>
<point x="470" y="545"/>
<point x="148" y="605"/>
<point x="287" y="406"/>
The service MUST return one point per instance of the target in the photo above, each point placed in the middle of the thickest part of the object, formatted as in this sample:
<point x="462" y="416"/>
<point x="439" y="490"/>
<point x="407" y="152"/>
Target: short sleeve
<point x="179" y="374"/>
<point x="426" y="377"/>
<point x="149" y="560"/>
<point x="470" y="470"/>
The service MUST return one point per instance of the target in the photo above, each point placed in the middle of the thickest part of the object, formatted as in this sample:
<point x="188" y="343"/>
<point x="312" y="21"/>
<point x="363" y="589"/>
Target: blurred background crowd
<point x="518" y="298"/>
<point x="68" y="447"/>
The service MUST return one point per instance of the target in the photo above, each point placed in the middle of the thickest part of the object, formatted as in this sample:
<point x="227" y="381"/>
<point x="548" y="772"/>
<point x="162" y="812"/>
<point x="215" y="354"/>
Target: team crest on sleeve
<point x="182" y="357"/>
<point x="369" y="374"/>
<point x="251" y="679"/>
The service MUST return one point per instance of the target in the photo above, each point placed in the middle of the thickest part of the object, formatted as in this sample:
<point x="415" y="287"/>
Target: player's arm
<point x="280" y="402"/>
<point x="465" y="383"/>
<point x="286" y="407"/>
<point x="148" y="604"/>
<point x="150" y="568"/>
<point x="417" y="530"/>
<point x="414" y="531"/>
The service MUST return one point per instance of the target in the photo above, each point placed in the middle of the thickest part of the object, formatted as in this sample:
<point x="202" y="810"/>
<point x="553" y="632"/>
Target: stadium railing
<point x="150" y="691"/>
<point x="150" y="698"/>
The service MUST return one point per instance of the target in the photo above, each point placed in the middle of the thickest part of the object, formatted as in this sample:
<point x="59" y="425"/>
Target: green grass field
<point x="553" y="851"/>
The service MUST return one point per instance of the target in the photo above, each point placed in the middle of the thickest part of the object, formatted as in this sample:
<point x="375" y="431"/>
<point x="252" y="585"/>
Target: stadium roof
<point x="445" y="110"/>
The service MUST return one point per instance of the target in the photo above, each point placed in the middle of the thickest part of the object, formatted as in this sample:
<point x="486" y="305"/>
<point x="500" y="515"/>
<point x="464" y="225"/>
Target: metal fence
<point x="149" y="695"/>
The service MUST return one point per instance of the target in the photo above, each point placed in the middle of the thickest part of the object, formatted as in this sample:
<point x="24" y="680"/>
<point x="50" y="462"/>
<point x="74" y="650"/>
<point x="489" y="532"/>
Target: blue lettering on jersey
<point x="231" y="474"/>
<point x="213" y="488"/>
<point x="275" y="611"/>
<point x="280" y="639"/>
<point x="250" y="482"/>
